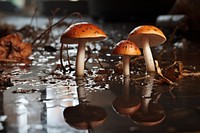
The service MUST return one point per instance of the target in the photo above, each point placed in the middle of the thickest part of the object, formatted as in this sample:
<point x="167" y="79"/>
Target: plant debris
<point x="13" y="49"/>
<point x="24" y="91"/>
<point x="165" y="79"/>
<point x="5" y="81"/>
<point x="174" y="71"/>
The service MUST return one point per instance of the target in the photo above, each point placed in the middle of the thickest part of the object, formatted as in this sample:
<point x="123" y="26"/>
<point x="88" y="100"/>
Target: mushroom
<point x="81" y="33"/>
<point x="84" y="115"/>
<point x="147" y="36"/>
<point x="126" y="104"/>
<point x="126" y="48"/>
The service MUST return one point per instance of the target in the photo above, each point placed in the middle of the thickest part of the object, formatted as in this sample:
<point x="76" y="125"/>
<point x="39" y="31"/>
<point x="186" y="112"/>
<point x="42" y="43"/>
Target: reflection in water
<point x="18" y="118"/>
<point x="126" y="104"/>
<point x="150" y="112"/>
<point x="84" y="115"/>
<point x="22" y="110"/>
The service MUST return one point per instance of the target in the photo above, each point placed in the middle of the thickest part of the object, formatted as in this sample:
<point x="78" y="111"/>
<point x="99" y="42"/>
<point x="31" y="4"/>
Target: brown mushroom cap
<point x="82" y="31"/>
<point x="126" y="47"/>
<point x="154" y="34"/>
<point x="84" y="116"/>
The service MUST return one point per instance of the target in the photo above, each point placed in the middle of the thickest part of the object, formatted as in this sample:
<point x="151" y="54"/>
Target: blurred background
<point x="108" y="10"/>
<point x="115" y="10"/>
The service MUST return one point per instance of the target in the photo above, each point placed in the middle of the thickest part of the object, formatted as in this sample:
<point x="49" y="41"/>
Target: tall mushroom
<point x="147" y="36"/>
<point x="126" y="48"/>
<point x="80" y="33"/>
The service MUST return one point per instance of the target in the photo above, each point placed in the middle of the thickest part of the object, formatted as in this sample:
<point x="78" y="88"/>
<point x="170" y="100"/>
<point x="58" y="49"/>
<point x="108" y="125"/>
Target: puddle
<point x="39" y="93"/>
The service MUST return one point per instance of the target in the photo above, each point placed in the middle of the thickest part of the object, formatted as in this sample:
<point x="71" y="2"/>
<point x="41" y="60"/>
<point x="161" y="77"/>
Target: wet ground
<point x="41" y="97"/>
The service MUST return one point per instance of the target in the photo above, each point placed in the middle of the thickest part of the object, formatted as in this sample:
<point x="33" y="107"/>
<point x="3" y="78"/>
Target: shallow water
<point x="40" y="94"/>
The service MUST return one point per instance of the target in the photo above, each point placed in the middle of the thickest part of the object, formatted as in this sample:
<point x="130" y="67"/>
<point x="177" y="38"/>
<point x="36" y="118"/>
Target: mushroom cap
<point x="154" y="34"/>
<point x="84" y="116"/>
<point x="126" y="47"/>
<point x="126" y="106"/>
<point x="82" y="31"/>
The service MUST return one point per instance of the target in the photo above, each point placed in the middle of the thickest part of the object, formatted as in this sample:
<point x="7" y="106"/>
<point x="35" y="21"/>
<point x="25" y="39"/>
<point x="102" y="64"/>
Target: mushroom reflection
<point x="126" y="104"/>
<point x="151" y="112"/>
<point x="21" y="110"/>
<point x="84" y="116"/>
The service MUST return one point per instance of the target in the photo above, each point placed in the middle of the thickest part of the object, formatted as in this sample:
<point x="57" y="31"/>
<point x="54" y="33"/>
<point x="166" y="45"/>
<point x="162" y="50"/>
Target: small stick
<point x="191" y="74"/>
<point x="50" y="27"/>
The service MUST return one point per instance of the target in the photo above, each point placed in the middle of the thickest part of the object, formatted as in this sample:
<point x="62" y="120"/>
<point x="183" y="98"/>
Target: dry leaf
<point x="12" y="49"/>
<point x="174" y="71"/>
<point x="160" y="73"/>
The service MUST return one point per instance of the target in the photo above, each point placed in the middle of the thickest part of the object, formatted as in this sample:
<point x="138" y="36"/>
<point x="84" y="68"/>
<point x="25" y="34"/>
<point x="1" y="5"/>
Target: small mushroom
<point x="147" y="36"/>
<point x="81" y="33"/>
<point x="126" y="48"/>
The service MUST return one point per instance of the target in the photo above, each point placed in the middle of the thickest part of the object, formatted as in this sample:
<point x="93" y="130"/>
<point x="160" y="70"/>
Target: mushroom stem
<point x="148" y="57"/>
<point x="80" y="60"/>
<point x="126" y="67"/>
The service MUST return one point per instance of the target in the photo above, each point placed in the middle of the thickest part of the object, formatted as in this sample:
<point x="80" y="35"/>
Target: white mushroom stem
<point x="80" y="60"/>
<point x="148" y="57"/>
<point x="126" y="67"/>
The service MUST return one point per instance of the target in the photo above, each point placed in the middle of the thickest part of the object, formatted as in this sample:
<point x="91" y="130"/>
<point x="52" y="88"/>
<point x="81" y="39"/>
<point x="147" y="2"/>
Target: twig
<point x="50" y="27"/>
<point x="195" y="74"/>
<point x="160" y="73"/>
<point x="34" y="15"/>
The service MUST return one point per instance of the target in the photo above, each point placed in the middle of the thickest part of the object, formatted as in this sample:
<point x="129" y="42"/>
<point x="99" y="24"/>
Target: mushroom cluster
<point x="144" y="36"/>
<point x="81" y="33"/>
<point x="140" y="111"/>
